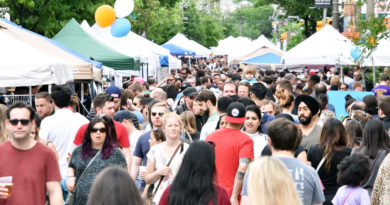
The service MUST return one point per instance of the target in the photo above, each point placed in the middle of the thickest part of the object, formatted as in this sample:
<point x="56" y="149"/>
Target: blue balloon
<point x="356" y="53"/>
<point x="121" y="27"/>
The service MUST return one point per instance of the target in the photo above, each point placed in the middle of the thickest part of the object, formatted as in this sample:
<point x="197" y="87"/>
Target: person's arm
<point x="238" y="181"/>
<point x="55" y="193"/>
<point x="126" y="152"/>
<point x="152" y="175"/>
<point x="161" y="83"/>
<point x="136" y="162"/>
<point x="71" y="182"/>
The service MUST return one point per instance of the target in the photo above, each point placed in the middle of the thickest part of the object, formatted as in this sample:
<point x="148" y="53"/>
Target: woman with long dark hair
<point x="325" y="157"/>
<point x="194" y="183"/>
<point x="99" y="149"/>
<point x="253" y="129"/>
<point x="375" y="145"/>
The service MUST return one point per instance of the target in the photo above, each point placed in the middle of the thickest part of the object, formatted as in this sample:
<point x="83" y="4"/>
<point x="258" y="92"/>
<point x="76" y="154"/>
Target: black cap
<point x="124" y="114"/>
<point x="189" y="92"/>
<point x="235" y="113"/>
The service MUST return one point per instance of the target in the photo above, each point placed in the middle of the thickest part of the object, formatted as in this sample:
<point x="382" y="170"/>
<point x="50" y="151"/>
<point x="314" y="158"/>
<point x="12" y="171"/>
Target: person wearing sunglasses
<point x="33" y="166"/>
<point x="100" y="146"/>
<point x="156" y="112"/>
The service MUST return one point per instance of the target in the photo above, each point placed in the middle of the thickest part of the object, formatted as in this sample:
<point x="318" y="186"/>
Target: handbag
<point x="70" y="198"/>
<point x="321" y="163"/>
<point x="150" y="193"/>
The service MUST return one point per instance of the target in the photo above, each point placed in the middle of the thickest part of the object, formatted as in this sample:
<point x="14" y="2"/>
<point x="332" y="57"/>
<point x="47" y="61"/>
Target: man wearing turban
<point x="308" y="111"/>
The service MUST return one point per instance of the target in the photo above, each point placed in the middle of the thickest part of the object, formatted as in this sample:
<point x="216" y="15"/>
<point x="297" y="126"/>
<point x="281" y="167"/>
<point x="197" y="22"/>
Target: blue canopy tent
<point x="177" y="50"/>
<point x="268" y="58"/>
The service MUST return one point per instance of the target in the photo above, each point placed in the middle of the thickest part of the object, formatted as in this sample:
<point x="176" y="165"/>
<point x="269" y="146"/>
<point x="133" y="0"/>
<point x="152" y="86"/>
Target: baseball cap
<point x="235" y="113"/>
<point x="189" y="92"/>
<point x="125" y="115"/>
<point x="114" y="91"/>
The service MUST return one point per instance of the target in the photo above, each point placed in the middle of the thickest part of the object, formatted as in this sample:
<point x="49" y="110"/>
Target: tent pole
<point x="82" y="93"/>
<point x="374" y="72"/>
<point x="342" y="74"/>
<point x="30" y="94"/>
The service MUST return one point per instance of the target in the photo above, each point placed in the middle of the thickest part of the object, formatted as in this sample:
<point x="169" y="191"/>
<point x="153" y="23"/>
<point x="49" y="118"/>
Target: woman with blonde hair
<point x="189" y="126"/>
<point x="3" y="129"/>
<point x="164" y="159"/>
<point x="270" y="183"/>
<point x="335" y="82"/>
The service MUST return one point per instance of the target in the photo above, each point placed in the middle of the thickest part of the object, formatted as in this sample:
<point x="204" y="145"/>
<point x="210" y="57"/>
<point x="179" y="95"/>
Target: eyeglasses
<point x="155" y="113"/>
<point x="22" y="121"/>
<point x="101" y="130"/>
<point x="170" y="80"/>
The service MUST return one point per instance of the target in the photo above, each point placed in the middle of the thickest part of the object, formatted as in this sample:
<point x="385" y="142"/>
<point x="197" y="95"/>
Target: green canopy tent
<point x="74" y="37"/>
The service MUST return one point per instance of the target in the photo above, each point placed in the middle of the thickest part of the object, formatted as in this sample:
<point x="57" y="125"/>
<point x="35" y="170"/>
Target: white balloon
<point x="123" y="8"/>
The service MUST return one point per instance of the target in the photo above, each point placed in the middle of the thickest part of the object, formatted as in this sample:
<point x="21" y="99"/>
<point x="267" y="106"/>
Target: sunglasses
<point x="16" y="122"/>
<point x="101" y="130"/>
<point x="135" y="104"/>
<point x="170" y="80"/>
<point x="155" y="113"/>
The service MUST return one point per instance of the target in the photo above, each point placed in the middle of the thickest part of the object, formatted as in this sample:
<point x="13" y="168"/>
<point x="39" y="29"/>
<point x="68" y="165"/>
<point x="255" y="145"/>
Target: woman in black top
<point x="333" y="148"/>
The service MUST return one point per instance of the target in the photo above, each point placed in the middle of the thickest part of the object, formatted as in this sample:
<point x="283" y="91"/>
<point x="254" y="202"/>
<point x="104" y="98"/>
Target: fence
<point x="10" y="99"/>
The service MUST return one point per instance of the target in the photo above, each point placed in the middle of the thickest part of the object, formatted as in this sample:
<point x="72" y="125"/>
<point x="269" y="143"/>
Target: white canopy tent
<point x="380" y="56"/>
<point x="233" y="47"/>
<point x="182" y="41"/>
<point x="326" y="47"/>
<point x="23" y="65"/>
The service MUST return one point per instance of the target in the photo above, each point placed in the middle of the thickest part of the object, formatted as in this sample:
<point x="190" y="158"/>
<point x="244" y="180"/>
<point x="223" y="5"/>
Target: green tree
<point x="202" y="26"/>
<point x="47" y="17"/>
<point x="250" y="22"/>
<point x="299" y="8"/>
<point x="155" y="21"/>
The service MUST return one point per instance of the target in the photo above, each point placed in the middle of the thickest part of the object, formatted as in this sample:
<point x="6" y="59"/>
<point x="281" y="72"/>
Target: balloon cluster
<point x="105" y="16"/>
<point x="356" y="53"/>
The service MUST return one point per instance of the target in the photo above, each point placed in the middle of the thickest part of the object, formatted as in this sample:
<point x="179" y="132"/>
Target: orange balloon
<point x="105" y="16"/>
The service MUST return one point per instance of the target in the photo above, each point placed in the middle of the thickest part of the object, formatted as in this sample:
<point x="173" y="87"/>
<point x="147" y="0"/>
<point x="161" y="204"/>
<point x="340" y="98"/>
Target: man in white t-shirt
<point x="61" y="128"/>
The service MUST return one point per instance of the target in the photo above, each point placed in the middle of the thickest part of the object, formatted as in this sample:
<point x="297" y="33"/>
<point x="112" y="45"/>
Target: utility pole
<point x="241" y="22"/>
<point x="335" y="13"/>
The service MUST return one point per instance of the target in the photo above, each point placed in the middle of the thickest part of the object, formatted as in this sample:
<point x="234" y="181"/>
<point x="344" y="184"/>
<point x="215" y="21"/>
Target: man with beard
<point x="308" y="110"/>
<point x="208" y="102"/>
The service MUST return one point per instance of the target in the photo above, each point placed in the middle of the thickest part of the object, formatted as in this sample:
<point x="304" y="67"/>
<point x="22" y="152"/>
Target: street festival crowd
<point x="207" y="135"/>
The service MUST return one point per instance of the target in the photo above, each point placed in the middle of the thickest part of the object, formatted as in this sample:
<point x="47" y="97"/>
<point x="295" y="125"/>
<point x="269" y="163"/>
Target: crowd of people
<point x="206" y="135"/>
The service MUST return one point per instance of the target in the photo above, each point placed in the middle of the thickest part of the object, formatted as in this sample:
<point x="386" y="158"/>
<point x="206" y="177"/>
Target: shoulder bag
<point x="70" y="198"/>
<point x="151" y="193"/>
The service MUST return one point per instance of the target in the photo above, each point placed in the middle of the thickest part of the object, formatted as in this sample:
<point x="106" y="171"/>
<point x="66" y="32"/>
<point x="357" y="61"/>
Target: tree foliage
<point x="299" y="8"/>
<point x="250" y="22"/>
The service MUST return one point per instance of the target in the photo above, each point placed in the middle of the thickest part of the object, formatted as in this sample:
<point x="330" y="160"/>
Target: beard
<point x="305" y="120"/>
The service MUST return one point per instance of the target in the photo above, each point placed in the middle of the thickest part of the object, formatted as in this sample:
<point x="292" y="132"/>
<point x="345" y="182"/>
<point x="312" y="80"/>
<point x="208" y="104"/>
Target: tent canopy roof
<point x="74" y="37"/>
<point x="177" y="50"/>
<point x="268" y="58"/>
<point x="326" y="47"/>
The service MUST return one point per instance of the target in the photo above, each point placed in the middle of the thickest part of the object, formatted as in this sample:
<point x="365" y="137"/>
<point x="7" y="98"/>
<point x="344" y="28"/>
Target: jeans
<point x="63" y="186"/>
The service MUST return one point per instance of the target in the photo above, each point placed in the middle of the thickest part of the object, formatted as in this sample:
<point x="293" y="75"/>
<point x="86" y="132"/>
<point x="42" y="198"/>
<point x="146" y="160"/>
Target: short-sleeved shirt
<point x="381" y="90"/>
<point x="157" y="155"/>
<point x="306" y="181"/>
<point x="121" y="135"/>
<point x="230" y="146"/>
<point x="347" y="195"/>
<point x="30" y="170"/>
<point x="142" y="147"/>
<point x="312" y="138"/>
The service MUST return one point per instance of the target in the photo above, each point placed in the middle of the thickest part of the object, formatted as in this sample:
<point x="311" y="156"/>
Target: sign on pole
<point x="322" y="3"/>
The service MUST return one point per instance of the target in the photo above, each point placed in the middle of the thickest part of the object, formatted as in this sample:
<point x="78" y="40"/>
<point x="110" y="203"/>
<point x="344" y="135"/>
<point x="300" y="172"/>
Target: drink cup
<point x="6" y="182"/>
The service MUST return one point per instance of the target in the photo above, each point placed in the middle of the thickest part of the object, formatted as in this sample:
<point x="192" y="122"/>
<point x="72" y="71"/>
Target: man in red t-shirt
<point x="104" y="105"/>
<point x="33" y="166"/>
<point x="233" y="151"/>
